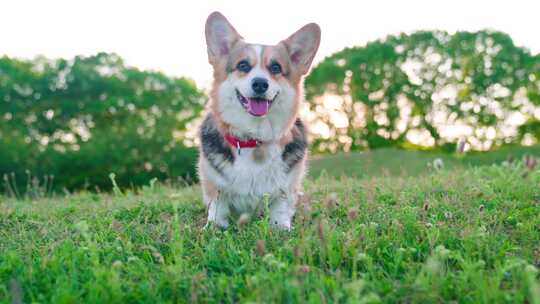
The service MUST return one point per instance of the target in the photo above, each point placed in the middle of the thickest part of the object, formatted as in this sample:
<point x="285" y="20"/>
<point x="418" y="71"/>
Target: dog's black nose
<point x="259" y="85"/>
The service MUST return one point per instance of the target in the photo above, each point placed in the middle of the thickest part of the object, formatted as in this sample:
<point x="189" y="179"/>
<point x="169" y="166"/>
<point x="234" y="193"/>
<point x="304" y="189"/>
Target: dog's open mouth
<point x="254" y="105"/>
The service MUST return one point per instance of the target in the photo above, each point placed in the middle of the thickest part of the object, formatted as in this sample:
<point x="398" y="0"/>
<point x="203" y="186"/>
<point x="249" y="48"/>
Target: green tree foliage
<point x="428" y="88"/>
<point x="81" y="119"/>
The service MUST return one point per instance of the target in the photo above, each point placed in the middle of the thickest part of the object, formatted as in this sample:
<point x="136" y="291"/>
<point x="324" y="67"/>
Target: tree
<point x="82" y="119"/>
<point x="428" y="89"/>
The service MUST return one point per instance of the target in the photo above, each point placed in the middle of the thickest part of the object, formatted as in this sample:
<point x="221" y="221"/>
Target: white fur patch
<point x="247" y="185"/>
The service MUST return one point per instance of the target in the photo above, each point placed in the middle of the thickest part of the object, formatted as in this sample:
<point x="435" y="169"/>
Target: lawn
<point x="409" y="163"/>
<point x="463" y="233"/>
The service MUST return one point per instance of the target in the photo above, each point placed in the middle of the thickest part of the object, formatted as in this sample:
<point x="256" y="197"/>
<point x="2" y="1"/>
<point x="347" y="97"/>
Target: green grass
<point x="469" y="235"/>
<point x="408" y="163"/>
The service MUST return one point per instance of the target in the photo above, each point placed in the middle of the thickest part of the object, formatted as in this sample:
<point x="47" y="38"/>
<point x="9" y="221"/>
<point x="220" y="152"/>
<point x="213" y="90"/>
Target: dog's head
<point x="257" y="88"/>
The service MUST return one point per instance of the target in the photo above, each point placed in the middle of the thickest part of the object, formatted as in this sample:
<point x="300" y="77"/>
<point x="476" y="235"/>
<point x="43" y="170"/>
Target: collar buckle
<point x="239" y="144"/>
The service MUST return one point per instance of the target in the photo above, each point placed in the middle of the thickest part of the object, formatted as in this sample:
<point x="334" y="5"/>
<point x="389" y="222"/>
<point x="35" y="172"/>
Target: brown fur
<point x="226" y="49"/>
<point x="243" y="51"/>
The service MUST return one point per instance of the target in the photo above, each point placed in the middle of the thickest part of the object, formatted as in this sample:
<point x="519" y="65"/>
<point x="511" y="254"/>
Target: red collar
<point x="237" y="143"/>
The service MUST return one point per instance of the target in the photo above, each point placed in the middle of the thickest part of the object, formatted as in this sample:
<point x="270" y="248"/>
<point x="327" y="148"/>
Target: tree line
<point x="76" y="121"/>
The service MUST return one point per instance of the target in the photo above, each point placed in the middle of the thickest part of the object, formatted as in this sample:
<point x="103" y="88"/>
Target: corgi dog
<point x="253" y="145"/>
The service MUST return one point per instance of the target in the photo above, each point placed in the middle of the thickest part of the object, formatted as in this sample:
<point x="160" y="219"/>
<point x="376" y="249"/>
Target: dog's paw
<point x="281" y="219"/>
<point x="214" y="225"/>
<point x="281" y="225"/>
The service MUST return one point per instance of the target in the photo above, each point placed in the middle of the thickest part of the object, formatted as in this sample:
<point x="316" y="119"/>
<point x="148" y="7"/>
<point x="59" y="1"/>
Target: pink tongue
<point x="258" y="107"/>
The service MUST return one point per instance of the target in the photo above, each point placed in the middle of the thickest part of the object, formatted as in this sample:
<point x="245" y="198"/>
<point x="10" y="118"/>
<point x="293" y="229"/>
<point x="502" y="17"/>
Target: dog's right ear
<point x="220" y="37"/>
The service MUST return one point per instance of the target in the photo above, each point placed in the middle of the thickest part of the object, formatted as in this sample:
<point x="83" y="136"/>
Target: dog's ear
<point x="220" y="37"/>
<point x="303" y="46"/>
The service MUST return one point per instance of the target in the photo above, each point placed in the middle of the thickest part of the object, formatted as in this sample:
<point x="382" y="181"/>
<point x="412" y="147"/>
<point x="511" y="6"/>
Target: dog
<point x="253" y="144"/>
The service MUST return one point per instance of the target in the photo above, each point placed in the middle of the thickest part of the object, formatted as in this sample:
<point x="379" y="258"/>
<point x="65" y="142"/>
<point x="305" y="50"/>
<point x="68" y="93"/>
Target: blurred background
<point x="93" y="88"/>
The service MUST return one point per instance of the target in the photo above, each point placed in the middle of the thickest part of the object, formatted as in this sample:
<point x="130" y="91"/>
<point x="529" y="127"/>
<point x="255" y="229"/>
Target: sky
<point x="168" y="36"/>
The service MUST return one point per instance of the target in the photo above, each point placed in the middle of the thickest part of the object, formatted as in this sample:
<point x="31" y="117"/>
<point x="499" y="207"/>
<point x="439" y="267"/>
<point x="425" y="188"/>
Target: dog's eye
<point x="243" y="66"/>
<point x="275" y="68"/>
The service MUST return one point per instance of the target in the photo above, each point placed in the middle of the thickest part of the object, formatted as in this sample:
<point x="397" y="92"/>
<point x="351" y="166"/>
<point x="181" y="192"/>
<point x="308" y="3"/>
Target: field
<point x="409" y="163"/>
<point x="384" y="226"/>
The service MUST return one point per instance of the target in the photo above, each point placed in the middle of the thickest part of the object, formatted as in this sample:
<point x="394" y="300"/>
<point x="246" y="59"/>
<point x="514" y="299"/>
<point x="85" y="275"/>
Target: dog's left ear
<point x="220" y="37"/>
<point x="303" y="46"/>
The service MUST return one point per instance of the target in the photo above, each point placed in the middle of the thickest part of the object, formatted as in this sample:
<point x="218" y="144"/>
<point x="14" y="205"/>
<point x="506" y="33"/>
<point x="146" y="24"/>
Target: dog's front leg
<point x="218" y="213"/>
<point x="282" y="211"/>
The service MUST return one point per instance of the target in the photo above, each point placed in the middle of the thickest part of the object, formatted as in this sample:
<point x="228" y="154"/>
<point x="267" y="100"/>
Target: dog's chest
<point x="257" y="171"/>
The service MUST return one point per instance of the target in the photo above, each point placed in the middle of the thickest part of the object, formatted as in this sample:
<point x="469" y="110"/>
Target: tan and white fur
<point x="256" y="94"/>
